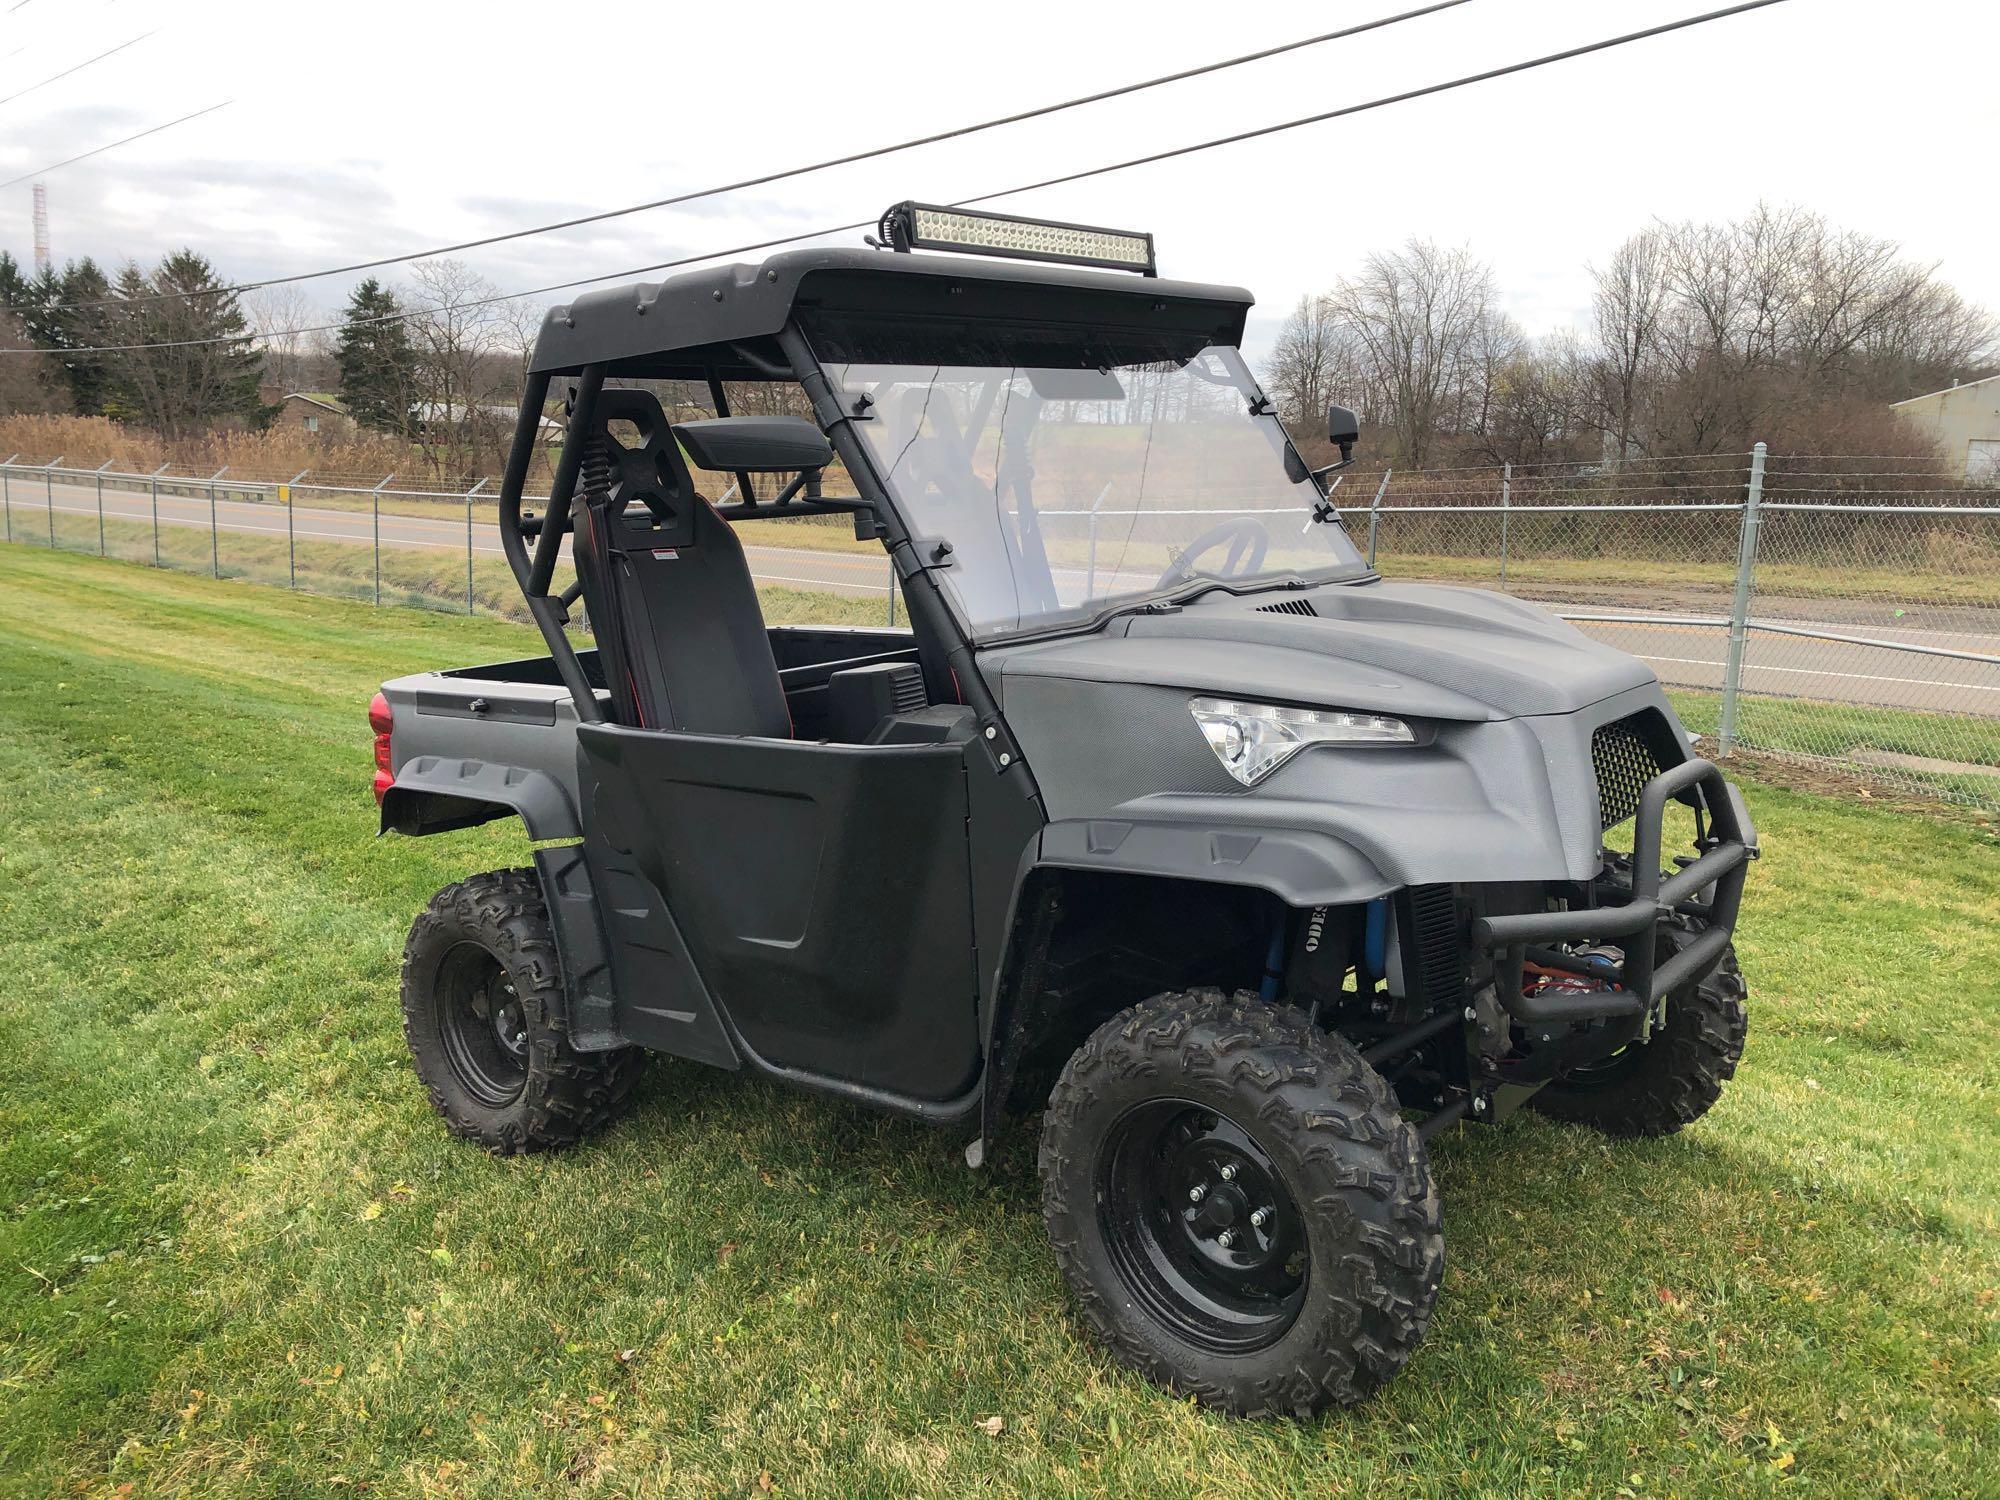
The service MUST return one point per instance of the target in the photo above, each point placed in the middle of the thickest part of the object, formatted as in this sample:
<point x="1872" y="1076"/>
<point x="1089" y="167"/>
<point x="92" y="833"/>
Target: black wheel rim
<point x="1201" y="1227"/>
<point x="483" y="1026"/>
<point x="1606" y="1072"/>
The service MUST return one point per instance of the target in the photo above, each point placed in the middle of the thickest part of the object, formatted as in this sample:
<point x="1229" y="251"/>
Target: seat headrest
<point x="640" y="463"/>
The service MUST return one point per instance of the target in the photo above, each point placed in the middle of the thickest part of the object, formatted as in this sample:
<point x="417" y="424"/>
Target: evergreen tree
<point x="28" y="382"/>
<point x="206" y="369"/>
<point x="14" y="285"/>
<point x="378" y="363"/>
<point x="56" y="327"/>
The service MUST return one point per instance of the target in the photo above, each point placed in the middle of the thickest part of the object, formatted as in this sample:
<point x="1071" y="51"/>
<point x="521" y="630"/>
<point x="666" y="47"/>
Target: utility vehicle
<point x="1163" y="813"/>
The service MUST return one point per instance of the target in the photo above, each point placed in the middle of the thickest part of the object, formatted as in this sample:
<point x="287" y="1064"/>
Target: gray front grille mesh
<point x="1624" y="763"/>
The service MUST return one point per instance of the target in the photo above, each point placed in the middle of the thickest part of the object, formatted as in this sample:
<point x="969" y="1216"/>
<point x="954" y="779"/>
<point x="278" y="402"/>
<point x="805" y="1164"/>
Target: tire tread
<point x="1364" y="1173"/>
<point x="569" y="1094"/>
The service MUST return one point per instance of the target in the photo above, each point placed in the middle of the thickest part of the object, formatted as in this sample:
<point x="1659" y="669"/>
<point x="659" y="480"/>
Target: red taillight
<point x="381" y="719"/>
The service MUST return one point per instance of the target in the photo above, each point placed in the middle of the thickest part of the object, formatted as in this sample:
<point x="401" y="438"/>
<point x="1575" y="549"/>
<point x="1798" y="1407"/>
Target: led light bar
<point x="928" y="226"/>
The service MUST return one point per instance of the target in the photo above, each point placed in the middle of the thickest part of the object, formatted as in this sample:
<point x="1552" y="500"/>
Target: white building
<point x="1966" y="422"/>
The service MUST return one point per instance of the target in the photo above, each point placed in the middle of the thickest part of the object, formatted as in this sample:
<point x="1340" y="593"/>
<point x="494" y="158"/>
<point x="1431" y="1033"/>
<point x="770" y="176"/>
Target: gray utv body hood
<point x="1505" y="696"/>
<point x="1431" y="652"/>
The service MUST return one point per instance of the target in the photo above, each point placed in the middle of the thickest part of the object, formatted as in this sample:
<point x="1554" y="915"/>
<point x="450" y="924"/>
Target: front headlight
<point x="1253" y="739"/>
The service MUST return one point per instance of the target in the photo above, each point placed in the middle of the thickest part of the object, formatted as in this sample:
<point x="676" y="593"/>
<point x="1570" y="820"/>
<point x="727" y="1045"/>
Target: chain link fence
<point x="376" y="539"/>
<point x="1838" y="610"/>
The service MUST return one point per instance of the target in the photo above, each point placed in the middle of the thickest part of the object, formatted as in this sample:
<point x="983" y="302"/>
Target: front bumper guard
<point x="1632" y="989"/>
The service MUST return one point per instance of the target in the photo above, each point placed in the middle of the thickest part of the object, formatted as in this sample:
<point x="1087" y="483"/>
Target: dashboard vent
<point x="1289" y="607"/>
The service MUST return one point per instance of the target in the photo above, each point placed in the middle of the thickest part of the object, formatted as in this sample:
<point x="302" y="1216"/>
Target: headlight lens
<point x="1253" y="739"/>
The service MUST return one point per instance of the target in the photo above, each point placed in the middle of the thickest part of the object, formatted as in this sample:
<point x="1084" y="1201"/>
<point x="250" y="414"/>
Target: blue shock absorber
<point x="1274" y="960"/>
<point x="1375" y="938"/>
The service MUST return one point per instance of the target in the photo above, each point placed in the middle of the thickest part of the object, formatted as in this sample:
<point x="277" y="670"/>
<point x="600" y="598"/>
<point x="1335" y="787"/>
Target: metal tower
<point x="41" y="227"/>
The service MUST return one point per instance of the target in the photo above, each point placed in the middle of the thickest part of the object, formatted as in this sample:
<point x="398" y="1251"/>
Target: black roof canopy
<point x="725" y="319"/>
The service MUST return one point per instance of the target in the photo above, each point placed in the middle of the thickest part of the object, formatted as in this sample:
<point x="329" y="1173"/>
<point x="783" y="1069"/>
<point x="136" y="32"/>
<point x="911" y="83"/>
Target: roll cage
<point x="757" y="323"/>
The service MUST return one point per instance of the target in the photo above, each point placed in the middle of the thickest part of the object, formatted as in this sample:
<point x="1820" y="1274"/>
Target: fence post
<point x="1375" y="513"/>
<point x="892" y="591"/>
<point x="1090" y="577"/>
<point x="468" y="542"/>
<point x="1739" y="609"/>
<point x="7" y="494"/>
<point x="292" y="532"/>
<point x="49" y="495"/>
<point x="375" y="497"/>
<point x="214" y="530"/>
<point x="153" y="486"/>
<point x="1506" y="514"/>
<point x="100" y="506"/>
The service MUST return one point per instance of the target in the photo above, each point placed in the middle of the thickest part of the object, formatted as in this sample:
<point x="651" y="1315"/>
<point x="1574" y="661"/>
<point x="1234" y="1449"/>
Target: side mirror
<point x="761" y="445"/>
<point x="1343" y="430"/>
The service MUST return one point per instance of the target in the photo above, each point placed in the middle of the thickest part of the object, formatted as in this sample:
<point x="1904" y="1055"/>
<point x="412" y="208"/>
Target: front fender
<point x="1300" y="867"/>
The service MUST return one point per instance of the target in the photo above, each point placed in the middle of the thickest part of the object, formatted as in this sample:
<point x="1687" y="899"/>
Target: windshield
<point x="1062" y="491"/>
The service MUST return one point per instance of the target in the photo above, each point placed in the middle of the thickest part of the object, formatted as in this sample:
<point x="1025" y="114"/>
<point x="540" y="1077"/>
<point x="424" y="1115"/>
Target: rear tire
<point x="484" y="1014"/>
<point x="1655" y="1088"/>
<point x="1173" y="1126"/>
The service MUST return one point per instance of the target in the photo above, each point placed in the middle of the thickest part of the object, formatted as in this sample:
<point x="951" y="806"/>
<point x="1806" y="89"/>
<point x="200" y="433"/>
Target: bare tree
<point x="520" y="324"/>
<point x="1305" y="364"/>
<point x="1940" y="337"/>
<point x="1496" y="347"/>
<point x="279" y="315"/>
<point x="466" y="357"/>
<point x="1712" y="333"/>
<point x="1630" y="304"/>
<point x="1535" y="403"/>
<point x="1421" y="313"/>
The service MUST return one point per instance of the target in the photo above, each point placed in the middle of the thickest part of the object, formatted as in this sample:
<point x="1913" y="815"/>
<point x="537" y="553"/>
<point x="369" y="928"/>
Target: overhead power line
<point x="1388" y="99"/>
<point x="785" y="174"/>
<point x="99" y="151"/>
<point x="792" y="239"/>
<point x="53" y="77"/>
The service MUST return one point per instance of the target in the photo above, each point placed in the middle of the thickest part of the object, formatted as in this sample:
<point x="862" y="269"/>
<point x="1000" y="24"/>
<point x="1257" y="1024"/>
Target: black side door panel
<point x="822" y="891"/>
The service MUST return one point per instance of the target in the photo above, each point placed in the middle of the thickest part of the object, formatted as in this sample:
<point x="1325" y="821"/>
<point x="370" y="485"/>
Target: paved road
<point x="846" y="573"/>
<point x="1686" y="656"/>
<point x="1793" y="667"/>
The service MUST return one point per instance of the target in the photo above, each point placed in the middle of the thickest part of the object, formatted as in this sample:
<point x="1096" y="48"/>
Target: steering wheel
<point x="1248" y="540"/>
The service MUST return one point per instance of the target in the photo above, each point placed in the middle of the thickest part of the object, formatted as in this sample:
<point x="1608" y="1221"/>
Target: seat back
<point x="678" y="626"/>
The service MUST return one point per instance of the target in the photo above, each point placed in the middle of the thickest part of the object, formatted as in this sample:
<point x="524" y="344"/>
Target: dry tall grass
<point x="276" y="454"/>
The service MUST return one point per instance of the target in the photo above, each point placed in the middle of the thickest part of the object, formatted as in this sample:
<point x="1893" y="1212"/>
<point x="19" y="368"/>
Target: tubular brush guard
<point x="1635" y="987"/>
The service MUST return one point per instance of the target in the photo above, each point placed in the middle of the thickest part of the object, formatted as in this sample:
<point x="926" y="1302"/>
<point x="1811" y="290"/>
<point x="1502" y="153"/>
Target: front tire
<point x="1655" y="1088"/>
<point x="484" y="1011"/>
<point x="1240" y="1210"/>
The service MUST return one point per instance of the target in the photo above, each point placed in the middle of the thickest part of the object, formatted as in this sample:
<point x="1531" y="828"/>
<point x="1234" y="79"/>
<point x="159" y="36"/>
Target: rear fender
<point x="434" y="793"/>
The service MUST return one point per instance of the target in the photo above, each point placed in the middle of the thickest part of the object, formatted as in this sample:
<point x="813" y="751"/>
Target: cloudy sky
<point x="365" y="128"/>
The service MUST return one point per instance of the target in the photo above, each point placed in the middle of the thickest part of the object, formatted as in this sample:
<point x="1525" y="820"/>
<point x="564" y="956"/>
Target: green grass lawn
<point x="1704" y="584"/>
<point x="239" y="1256"/>
<point x="1840" y="736"/>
